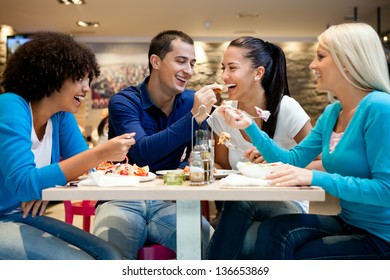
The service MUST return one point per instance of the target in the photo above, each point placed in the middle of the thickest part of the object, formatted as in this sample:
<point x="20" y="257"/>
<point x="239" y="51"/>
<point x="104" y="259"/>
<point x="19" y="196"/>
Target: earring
<point x="257" y="78"/>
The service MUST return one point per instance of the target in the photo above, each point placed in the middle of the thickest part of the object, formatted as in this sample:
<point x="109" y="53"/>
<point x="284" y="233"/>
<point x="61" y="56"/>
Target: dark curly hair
<point x="42" y="65"/>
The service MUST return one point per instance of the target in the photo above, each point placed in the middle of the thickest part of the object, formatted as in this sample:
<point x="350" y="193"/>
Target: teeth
<point x="181" y="79"/>
<point x="80" y="98"/>
<point x="230" y="85"/>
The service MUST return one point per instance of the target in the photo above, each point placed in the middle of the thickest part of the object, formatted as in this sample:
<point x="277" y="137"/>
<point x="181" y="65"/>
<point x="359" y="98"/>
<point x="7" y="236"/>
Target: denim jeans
<point x="46" y="238"/>
<point x="128" y="225"/>
<point x="317" y="237"/>
<point x="236" y="234"/>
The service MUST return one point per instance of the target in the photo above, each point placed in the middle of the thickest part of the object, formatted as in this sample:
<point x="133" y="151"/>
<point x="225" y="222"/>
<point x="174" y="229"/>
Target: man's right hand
<point x="205" y="96"/>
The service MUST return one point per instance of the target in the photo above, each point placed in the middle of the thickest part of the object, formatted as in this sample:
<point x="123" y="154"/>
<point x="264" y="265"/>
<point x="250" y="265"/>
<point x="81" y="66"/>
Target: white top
<point x="42" y="149"/>
<point x="291" y="119"/>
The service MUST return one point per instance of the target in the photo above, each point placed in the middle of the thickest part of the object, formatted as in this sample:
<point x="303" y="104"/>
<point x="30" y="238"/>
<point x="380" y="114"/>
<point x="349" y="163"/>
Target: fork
<point x="231" y="146"/>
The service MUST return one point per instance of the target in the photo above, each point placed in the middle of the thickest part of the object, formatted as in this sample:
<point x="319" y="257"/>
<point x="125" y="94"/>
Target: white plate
<point x="222" y="173"/>
<point x="163" y="172"/>
<point x="258" y="170"/>
<point x="218" y="174"/>
<point x="151" y="176"/>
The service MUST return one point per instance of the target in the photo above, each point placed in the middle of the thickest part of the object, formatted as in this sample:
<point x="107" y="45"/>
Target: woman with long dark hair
<point x="254" y="72"/>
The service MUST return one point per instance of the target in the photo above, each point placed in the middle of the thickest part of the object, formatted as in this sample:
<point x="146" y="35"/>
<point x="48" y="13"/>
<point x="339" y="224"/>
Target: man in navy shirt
<point x="160" y="111"/>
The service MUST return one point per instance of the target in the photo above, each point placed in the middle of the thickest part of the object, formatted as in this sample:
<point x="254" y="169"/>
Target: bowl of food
<point x="258" y="170"/>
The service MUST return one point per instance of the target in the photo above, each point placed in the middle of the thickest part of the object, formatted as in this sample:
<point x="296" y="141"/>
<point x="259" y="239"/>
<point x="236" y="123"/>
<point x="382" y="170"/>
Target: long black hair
<point x="274" y="80"/>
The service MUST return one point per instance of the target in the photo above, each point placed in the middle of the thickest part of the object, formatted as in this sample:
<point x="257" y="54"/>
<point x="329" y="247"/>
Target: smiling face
<point x="177" y="67"/>
<point x="238" y="73"/>
<point x="327" y="74"/>
<point x="71" y="94"/>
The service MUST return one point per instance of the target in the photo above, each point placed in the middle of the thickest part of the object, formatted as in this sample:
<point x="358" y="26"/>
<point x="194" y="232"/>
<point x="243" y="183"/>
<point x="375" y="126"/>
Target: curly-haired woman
<point x="45" y="82"/>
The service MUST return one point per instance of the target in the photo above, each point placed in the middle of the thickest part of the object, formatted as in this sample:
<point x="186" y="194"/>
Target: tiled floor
<point x="329" y="206"/>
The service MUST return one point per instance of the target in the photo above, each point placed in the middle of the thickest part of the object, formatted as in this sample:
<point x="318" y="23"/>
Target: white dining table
<point x="188" y="204"/>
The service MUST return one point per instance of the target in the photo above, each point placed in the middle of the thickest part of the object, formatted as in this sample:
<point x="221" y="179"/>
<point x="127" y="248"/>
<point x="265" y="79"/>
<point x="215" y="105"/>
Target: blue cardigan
<point x="20" y="179"/>
<point x="358" y="170"/>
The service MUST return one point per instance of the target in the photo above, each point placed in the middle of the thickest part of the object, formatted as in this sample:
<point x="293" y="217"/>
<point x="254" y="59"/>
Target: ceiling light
<point x="72" y="2"/>
<point x="385" y="36"/>
<point x="88" y="23"/>
<point x="207" y="24"/>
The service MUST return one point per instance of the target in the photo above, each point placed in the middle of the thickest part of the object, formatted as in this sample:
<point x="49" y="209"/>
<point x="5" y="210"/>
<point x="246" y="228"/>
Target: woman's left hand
<point x="291" y="176"/>
<point x="35" y="205"/>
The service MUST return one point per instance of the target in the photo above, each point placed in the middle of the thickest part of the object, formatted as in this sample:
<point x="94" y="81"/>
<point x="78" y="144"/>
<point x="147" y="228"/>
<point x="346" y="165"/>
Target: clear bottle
<point x="201" y="160"/>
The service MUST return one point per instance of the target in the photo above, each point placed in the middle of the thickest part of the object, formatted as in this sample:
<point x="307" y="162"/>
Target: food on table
<point x="224" y="137"/>
<point x="106" y="165"/>
<point x="123" y="169"/>
<point x="186" y="169"/>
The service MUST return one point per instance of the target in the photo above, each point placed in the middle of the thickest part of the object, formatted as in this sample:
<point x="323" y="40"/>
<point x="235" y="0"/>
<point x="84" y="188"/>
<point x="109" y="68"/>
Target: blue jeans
<point x="46" y="238"/>
<point x="128" y="225"/>
<point x="236" y="234"/>
<point x="317" y="237"/>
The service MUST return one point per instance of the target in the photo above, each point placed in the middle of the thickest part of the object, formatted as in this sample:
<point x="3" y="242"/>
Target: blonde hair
<point x="357" y="47"/>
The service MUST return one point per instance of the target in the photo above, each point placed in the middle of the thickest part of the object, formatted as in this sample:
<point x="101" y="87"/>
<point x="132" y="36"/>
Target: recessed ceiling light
<point x="88" y="23"/>
<point x="72" y="2"/>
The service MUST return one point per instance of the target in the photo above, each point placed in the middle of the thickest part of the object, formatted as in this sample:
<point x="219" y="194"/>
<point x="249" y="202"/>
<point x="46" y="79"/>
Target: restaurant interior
<point x="119" y="31"/>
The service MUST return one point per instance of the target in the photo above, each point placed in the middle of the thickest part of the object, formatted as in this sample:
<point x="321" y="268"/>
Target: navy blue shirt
<point x="160" y="140"/>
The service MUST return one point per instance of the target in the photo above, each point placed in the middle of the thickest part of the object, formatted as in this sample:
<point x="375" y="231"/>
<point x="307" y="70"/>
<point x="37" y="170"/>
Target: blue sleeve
<point x="300" y="155"/>
<point x="20" y="179"/>
<point x="371" y="144"/>
<point x="127" y="115"/>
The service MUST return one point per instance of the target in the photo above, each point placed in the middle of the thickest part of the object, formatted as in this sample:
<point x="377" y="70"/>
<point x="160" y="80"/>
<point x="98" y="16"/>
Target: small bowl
<point x="175" y="177"/>
<point x="258" y="170"/>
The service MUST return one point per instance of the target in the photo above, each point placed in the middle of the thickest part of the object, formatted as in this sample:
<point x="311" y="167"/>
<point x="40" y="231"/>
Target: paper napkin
<point x="109" y="180"/>
<point x="241" y="180"/>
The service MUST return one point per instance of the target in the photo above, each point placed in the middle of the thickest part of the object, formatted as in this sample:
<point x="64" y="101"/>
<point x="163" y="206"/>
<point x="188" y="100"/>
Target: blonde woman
<point x="353" y="136"/>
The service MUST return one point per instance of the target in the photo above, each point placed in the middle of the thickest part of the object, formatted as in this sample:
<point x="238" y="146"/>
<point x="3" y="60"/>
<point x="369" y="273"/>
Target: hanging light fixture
<point x="82" y="23"/>
<point x="72" y="2"/>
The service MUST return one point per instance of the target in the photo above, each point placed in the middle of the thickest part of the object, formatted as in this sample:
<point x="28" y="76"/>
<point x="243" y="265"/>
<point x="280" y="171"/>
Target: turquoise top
<point x="358" y="170"/>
